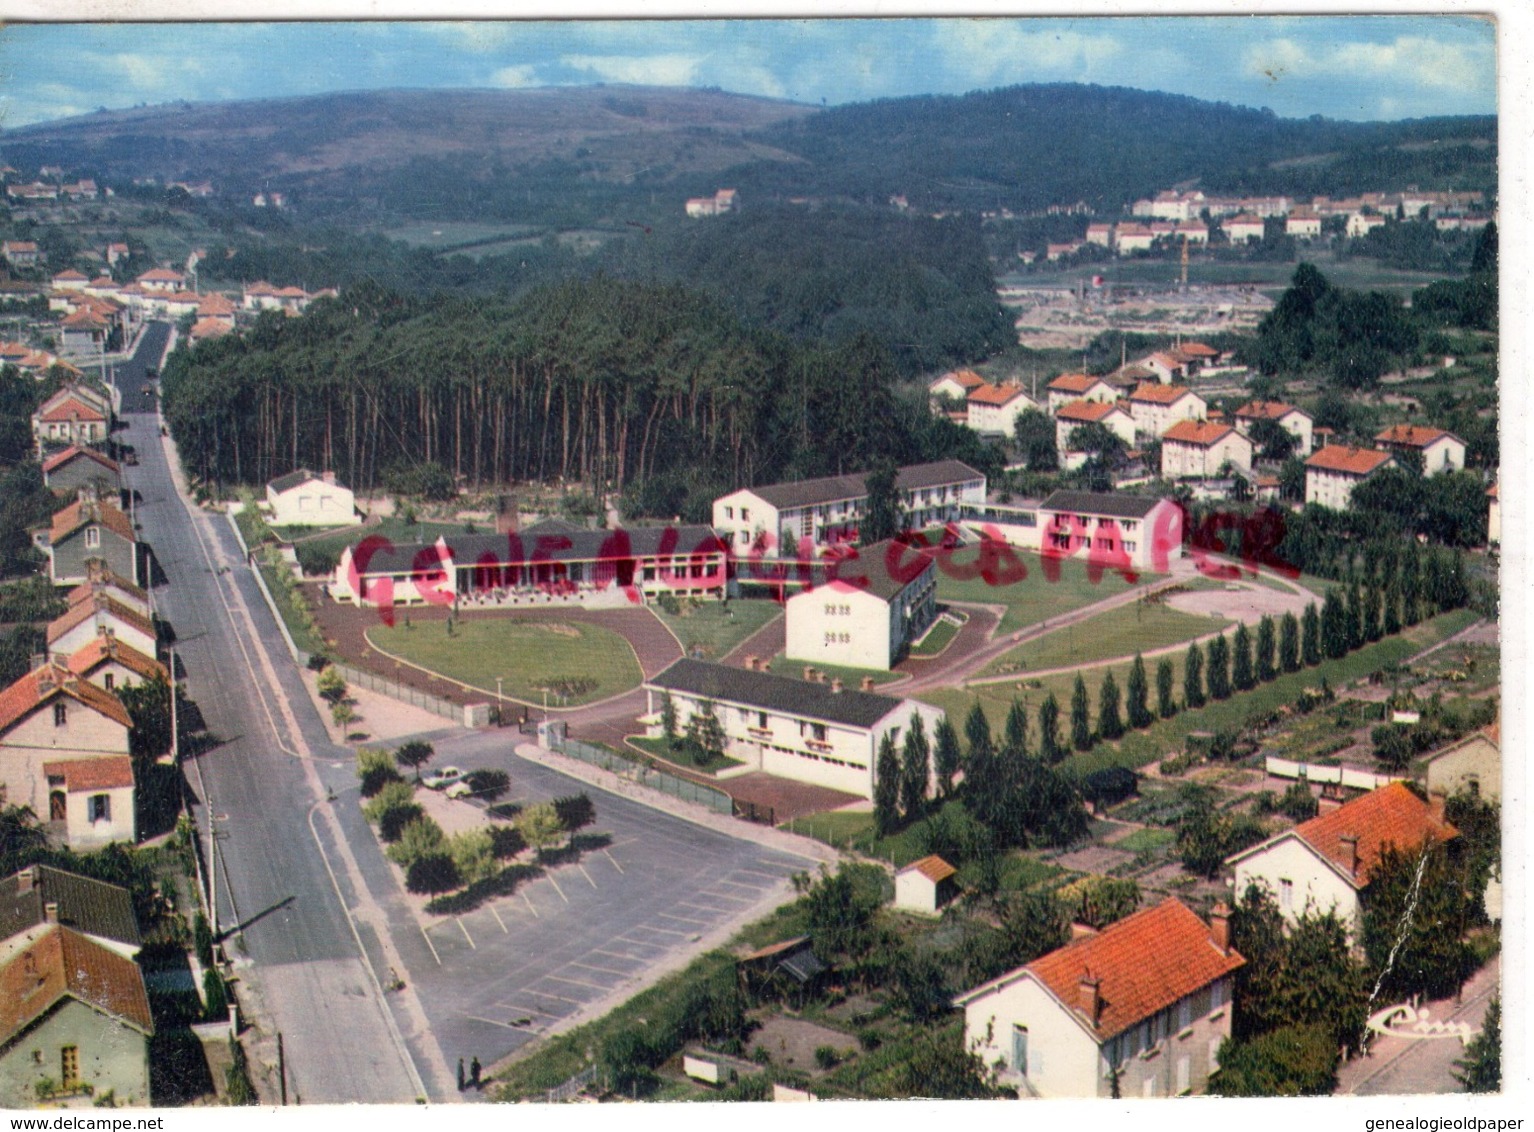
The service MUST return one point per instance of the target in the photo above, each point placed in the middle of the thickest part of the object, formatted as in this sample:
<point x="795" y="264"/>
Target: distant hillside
<point x="576" y="156"/>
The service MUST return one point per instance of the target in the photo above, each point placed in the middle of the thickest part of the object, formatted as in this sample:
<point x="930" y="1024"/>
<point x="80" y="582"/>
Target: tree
<point x="882" y="516"/>
<point x="1266" y="649"/>
<point x="1242" y="674"/>
<point x="331" y="684"/>
<point x="1206" y="836"/>
<point x="341" y="714"/>
<point x="1353" y="616"/>
<point x="575" y="811"/>
<point x="148" y="707"/>
<point x="1137" y="695"/>
<point x="887" y="787"/>
<point x="1274" y="442"/>
<point x="946" y="755"/>
<point x="1391" y="619"/>
<point x="1373" y="607"/>
<point x="1310" y="637"/>
<point x="488" y="784"/>
<point x="473" y="856"/>
<point x="1392" y="745"/>
<point x="1098" y="901"/>
<point x="432" y="874"/>
<point x="915" y="769"/>
<point x="937" y="1065"/>
<point x="1219" y="668"/>
<point x="668" y="725"/>
<point x="1166" y="703"/>
<point x="1110" y="723"/>
<point x="1051" y="748"/>
<point x="415" y="754"/>
<point x="1193" y="677"/>
<point x="1480" y="1070"/>
<point x="1334" y="625"/>
<point x="705" y="732"/>
<point x="1413" y="923"/>
<point x="1081" y="724"/>
<point x="1289" y="643"/>
<point x="1015" y="730"/>
<point x="539" y="826"/>
<point x="919" y="987"/>
<point x="1034" y="440"/>
<point x="1295" y="1061"/>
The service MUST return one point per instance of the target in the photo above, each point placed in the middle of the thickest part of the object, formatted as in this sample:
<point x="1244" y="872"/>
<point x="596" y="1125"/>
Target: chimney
<point x="38" y="660"/>
<point x="1219" y="926"/>
<point x="1350" y="849"/>
<point x="28" y="879"/>
<point x="836" y="684"/>
<point x="51" y="912"/>
<point x="868" y="684"/>
<point x="1090" y="1002"/>
<point x="809" y="673"/>
<point x="329" y="477"/>
<point x="750" y="664"/>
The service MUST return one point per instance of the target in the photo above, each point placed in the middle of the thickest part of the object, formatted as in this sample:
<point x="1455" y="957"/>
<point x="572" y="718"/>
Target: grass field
<point x="1118" y="632"/>
<point x="716" y="627"/>
<point x="850" y="677"/>
<point x="443" y="234"/>
<point x="681" y="757"/>
<point x="1035" y="597"/>
<point x="300" y="626"/>
<point x="528" y="656"/>
<point x="936" y="639"/>
<point x="1167" y="736"/>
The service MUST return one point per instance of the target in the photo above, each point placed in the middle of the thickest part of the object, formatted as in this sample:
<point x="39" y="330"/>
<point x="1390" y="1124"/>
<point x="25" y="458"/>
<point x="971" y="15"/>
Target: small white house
<point x="1070" y="387"/>
<point x="1333" y="472"/>
<point x="924" y="886"/>
<point x="303" y="499"/>
<point x="1201" y="449"/>
<point x="1441" y="450"/>
<point x="1473" y="765"/>
<point x="956" y="384"/>
<point x="994" y="408"/>
<point x="102" y="615"/>
<point x="1139" y="1009"/>
<point x="865" y="617"/>
<point x="1295" y="421"/>
<point x="1080" y="413"/>
<point x="1155" y="407"/>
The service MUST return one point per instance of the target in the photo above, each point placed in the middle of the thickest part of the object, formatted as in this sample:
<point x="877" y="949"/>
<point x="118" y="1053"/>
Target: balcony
<point x="819" y="745"/>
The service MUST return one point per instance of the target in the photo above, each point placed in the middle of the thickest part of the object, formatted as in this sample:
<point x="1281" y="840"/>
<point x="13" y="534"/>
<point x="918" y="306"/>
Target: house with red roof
<point x="1155" y="407"/>
<point x="110" y="664"/>
<point x="1132" y="238"/>
<point x="1243" y="228"/>
<point x="1203" y="450"/>
<point x="994" y="408"/>
<point x="926" y="885"/>
<point x="74" y="1013"/>
<point x="1070" y="387"/>
<point x="99" y="579"/>
<point x="1168" y="366"/>
<point x="19" y="253"/>
<point x="1138" y="1009"/>
<point x="72" y="416"/>
<point x="956" y="384"/>
<point x="1333" y="472"/>
<point x="1293" y="420"/>
<point x="102" y="617"/>
<point x="85" y="531"/>
<point x="1325" y="864"/>
<point x="64" y="752"/>
<point x="1440" y="449"/>
<point x="161" y="280"/>
<point x="1075" y="414"/>
<point x="70" y="280"/>
<point x="68" y="471"/>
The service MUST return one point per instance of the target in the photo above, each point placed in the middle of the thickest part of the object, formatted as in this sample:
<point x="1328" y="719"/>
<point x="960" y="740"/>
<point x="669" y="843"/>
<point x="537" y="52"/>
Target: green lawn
<point x="1035" y="598"/>
<point x="717" y="627"/>
<point x="1118" y="632"/>
<point x="396" y="531"/>
<point x="528" y="656"/>
<point x="1145" y="841"/>
<point x="300" y="624"/>
<point x="936" y="640"/>
<point x="850" y="677"/>
<point x="1167" y="736"/>
<point x="681" y="756"/>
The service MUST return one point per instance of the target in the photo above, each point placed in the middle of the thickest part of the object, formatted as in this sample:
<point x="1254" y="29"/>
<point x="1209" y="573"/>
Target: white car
<point x="441" y="778"/>
<point x="459" y="789"/>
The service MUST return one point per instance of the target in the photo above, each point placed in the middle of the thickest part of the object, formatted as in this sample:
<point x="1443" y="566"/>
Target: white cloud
<point x="472" y="36"/>
<point x="1010" y="50"/>
<point x="145" y="72"/>
<point x="653" y="70"/>
<point x="523" y="74"/>
<point x="1409" y="60"/>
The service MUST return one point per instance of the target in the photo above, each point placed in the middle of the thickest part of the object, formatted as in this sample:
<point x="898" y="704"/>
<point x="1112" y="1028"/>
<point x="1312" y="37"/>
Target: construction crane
<point x="1184" y="264"/>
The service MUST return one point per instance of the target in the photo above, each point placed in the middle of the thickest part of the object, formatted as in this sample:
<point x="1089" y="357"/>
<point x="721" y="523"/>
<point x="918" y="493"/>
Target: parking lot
<point x="584" y="931"/>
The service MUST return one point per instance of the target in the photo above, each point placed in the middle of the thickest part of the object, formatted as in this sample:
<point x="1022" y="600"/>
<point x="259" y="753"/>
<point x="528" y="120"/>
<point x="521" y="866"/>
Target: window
<point x="1216" y="995"/>
<point x="729" y="512"/>
<point x="108" y="681"/>
<point x="92" y="537"/>
<point x="69" y="1066"/>
<point x="1185" y="1014"/>
<point x="745" y="515"/>
<point x="1285" y="894"/>
<point x="818" y="732"/>
<point x="1214" y="1053"/>
<point x="100" y="807"/>
<point x="1148" y="1089"/>
<point x="761" y="719"/>
<point x="1020" y="1049"/>
<point x="60" y="715"/>
<point x="1184" y="1073"/>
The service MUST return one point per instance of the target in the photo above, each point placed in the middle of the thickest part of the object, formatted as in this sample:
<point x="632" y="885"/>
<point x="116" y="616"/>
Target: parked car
<point x="442" y="777"/>
<point x="459" y="789"/>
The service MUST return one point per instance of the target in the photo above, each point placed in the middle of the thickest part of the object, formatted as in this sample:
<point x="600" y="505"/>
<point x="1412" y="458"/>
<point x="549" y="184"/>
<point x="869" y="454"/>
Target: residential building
<point x="1129" y="238"/>
<point x="1472" y="766"/>
<point x="779" y="519"/>
<point x="1441" y="450"/>
<point x="1360" y="224"/>
<point x="1325" y="864"/>
<point x="110" y="664"/>
<point x="1333" y="472"/>
<point x="19" y="253"/>
<point x="1074" y="415"/>
<point x="546" y="562"/>
<point x="1192" y="231"/>
<point x="1155" y="407"/>
<point x="994" y="408"/>
<point x="117" y="251"/>
<point x="724" y="200"/>
<point x="85" y="530"/>
<point x="42" y="894"/>
<point x="1200" y="449"/>
<point x="72" y="416"/>
<point x="103" y="616"/>
<point x="1100" y="234"/>
<point x="1167" y="365"/>
<point x="1070" y="387"/>
<point x="205" y="328"/>
<point x="1139" y="532"/>
<point x="69" y="471"/>
<point x="303" y="499"/>
<point x="73" y="1014"/>
<point x="1295" y="421"/>
<point x="162" y="280"/>
<point x="925" y="886"/>
<point x="955" y="385"/>
<point x="101" y="580"/>
<point x="1244" y="228"/>
<point x="64" y="752"/>
<point x="865" y="617"/>
<point x="1137" y="1010"/>
<point x="798" y="729"/>
<point x="1303" y="224"/>
<point x="70" y="280"/>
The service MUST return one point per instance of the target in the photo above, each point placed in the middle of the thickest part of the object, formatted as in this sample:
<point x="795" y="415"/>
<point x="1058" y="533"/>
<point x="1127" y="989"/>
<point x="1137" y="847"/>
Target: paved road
<point x="131" y="376"/>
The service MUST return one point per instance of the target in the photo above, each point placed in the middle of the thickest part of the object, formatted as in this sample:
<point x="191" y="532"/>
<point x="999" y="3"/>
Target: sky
<point x="1352" y="67"/>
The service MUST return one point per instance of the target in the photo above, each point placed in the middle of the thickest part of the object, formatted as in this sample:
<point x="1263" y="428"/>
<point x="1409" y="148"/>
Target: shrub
<point x="202" y="934"/>
<point x="389" y="796"/>
<point x="1292" y="1061"/>
<point x="216" y="998"/>
<point x="473" y="855"/>
<point x="432" y="873"/>
<point x="376" y="770"/>
<point x="827" y="1057"/>
<point x="575" y="812"/>
<point x="331" y="685"/>
<point x="315" y="560"/>
<point x="419" y="838"/>
<point x="488" y="784"/>
<point x="505" y="841"/>
<point x="393" y="822"/>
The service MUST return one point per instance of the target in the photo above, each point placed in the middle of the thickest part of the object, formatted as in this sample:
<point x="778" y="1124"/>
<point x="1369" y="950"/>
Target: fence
<point x="574" y="1085"/>
<point x="685" y="789"/>
<point x="402" y="692"/>
<point x="1329" y="775"/>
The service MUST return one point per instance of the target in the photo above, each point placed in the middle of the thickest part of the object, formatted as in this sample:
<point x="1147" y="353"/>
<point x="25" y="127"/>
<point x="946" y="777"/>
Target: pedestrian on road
<point x="460" y="1074"/>
<point x="474" y="1072"/>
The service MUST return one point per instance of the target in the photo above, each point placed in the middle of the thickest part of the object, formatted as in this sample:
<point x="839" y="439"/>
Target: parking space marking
<point x="493" y="1022"/>
<point x="557" y="889"/>
<point x="427" y="938"/>
<point x="662" y="931"/>
<point x="737" y="884"/>
<point x="613" y="859"/>
<point x="774" y="877"/>
<point x="585" y="874"/>
<point x="578" y="982"/>
<point x="560" y="998"/>
<point x="630" y="958"/>
<point x="683" y="919"/>
<point x="530" y="907"/>
<point x="518" y="1008"/>
<point x="491" y="909"/>
<point x="603" y="970"/>
<point x="466" y="935"/>
<point x="706" y="908"/>
<point x="752" y="899"/>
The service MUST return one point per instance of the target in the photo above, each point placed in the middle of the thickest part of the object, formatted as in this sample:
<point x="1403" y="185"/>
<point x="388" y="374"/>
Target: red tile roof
<point x="1412" y="436"/>
<point x="70" y="276"/>
<point x="1265" y="411"/>
<point x="996" y="394"/>
<point x="211" y="328"/>
<point x="57" y="963"/>
<point x="107" y="650"/>
<point x="1144" y="963"/>
<point x="1086" y="410"/>
<point x="1154" y="393"/>
<point x="161" y="275"/>
<point x="84" y="511"/>
<point x="104" y="603"/>
<point x="1200" y="434"/>
<point x="37" y="688"/>
<point x="1073" y="382"/>
<point x="60" y="459"/>
<point x="968" y="378"/>
<point x="108" y="772"/>
<point x="1391" y="815"/>
<point x="934" y="868"/>
<point x="70" y="409"/>
<point x="216" y="304"/>
<point x="104" y="582"/>
<point x="1353" y="461"/>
